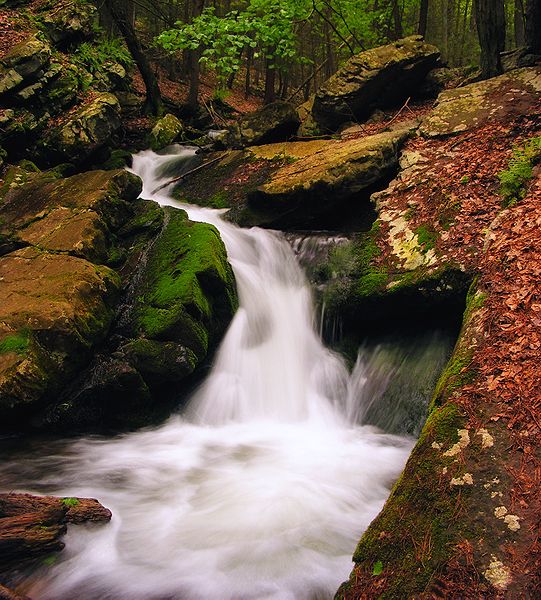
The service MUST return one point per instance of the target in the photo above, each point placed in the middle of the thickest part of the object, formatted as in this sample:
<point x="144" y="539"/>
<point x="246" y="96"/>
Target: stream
<point x="262" y="486"/>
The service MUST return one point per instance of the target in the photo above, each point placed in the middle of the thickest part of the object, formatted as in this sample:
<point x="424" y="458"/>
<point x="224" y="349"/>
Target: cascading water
<point x="260" y="489"/>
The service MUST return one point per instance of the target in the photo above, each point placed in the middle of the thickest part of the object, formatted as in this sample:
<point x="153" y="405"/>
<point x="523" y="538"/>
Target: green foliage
<point x="513" y="181"/>
<point x="93" y="58"/>
<point x="70" y="502"/>
<point x="265" y="26"/>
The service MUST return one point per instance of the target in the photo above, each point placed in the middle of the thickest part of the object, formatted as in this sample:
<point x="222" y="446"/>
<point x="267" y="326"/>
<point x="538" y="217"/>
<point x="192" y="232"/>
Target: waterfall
<point x="261" y="488"/>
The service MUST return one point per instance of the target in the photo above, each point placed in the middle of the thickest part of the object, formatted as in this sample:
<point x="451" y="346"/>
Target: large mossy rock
<point x="69" y="23"/>
<point x="108" y="300"/>
<point x="166" y="131"/>
<point x="505" y="97"/>
<point x="23" y="65"/>
<point x="85" y="131"/>
<point x="381" y="77"/>
<point x="274" y="122"/>
<point x="59" y="298"/>
<point x="318" y="177"/>
<point x="188" y="289"/>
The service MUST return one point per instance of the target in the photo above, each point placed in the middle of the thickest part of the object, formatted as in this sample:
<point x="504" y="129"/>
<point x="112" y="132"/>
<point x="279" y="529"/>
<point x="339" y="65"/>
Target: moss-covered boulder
<point x="505" y="97"/>
<point x="56" y="308"/>
<point x="376" y="78"/>
<point x="59" y="297"/>
<point x="23" y="65"/>
<point x="274" y="122"/>
<point x="83" y="132"/>
<point x="317" y="177"/>
<point x="69" y="23"/>
<point x="166" y="131"/>
<point x="188" y="290"/>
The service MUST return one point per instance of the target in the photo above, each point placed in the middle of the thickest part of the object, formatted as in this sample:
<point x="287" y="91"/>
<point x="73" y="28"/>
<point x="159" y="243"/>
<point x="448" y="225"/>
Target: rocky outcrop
<point x="459" y="522"/>
<point x="376" y="78"/>
<point x="32" y="527"/>
<point x="505" y="97"/>
<point x="166" y="131"/>
<point x="100" y="288"/>
<point x="83" y="132"/>
<point x="275" y="122"/>
<point x="298" y="184"/>
<point x="321" y="175"/>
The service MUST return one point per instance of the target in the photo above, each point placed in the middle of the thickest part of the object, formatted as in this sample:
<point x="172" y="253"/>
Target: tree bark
<point x="490" y="18"/>
<point x="518" y="16"/>
<point x="423" y="18"/>
<point x="270" y="82"/>
<point x="194" y="67"/>
<point x="153" y="103"/>
<point x="532" y="12"/>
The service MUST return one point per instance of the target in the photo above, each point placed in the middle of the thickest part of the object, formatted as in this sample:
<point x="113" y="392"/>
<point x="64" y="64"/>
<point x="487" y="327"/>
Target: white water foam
<point x="262" y="488"/>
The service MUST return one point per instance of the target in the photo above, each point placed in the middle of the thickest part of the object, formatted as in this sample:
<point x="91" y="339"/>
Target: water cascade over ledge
<point x="261" y="488"/>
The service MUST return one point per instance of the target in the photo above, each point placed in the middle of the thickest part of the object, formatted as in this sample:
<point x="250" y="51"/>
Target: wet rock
<point x="468" y="107"/>
<point x="24" y="64"/>
<point x="69" y="23"/>
<point x="84" y="132"/>
<point x="31" y="527"/>
<point x="187" y="294"/>
<point x="58" y="304"/>
<point x="376" y="78"/>
<point x="275" y="122"/>
<point x="318" y="176"/>
<point x="166" y="131"/>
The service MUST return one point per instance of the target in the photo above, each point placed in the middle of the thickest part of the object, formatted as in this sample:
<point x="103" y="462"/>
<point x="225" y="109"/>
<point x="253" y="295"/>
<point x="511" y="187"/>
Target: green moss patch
<point x="514" y="180"/>
<point x="18" y="343"/>
<point x="189" y="289"/>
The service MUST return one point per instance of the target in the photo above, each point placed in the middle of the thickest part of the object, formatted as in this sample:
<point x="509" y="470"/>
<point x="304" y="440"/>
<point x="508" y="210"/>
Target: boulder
<point x="187" y="293"/>
<point x="31" y="527"/>
<point x="504" y="97"/>
<point x="318" y="176"/>
<point x="24" y="64"/>
<point x="58" y="304"/>
<point x="69" y="23"/>
<point x="166" y="131"/>
<point x="275" y="122"/>
<point x="84" y="131"/>
<point x="519" y="58"/>
<point x="381" y="77"/>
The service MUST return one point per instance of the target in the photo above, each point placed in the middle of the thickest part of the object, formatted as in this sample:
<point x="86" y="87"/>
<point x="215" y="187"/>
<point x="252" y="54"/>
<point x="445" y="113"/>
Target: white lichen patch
<point x="498" y="574"/>
<point x="463" y="442"/>
<point x="500" y="512"/>
<point x="405" y="243"/>
<point x="512" y="521"/>
<point x="466" y="479"/>
<point x="487" y="441"/>
<point x="436" y="446"/>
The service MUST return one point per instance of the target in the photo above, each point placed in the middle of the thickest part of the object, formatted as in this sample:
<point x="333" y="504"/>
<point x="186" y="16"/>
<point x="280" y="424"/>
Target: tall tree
<point x="518" y="14"/>
<point x="124" y="21"/>
<point x="490" y="18"/>
<point x="532" y="11"/>
<point x="423" y="18"/>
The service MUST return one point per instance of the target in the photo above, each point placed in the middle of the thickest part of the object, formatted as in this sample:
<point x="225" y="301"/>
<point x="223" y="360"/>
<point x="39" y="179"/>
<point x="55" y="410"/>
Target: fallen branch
<point x="190" y="172"/>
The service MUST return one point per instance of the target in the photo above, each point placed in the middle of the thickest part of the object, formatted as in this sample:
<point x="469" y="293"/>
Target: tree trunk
<point x="153" y="103"/>
<point x="270" y="80"/>
<point x="423" y="18"/>
<point x="520" y="33"/>
<point x="397" y="21"/>
<point x="194" y="67"/>
<point x="490" y="18"/>
<point x="532" y="13"/>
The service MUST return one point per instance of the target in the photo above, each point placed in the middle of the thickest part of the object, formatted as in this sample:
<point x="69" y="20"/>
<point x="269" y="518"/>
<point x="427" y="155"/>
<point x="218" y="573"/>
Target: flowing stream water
<point x="261" y="488"/>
